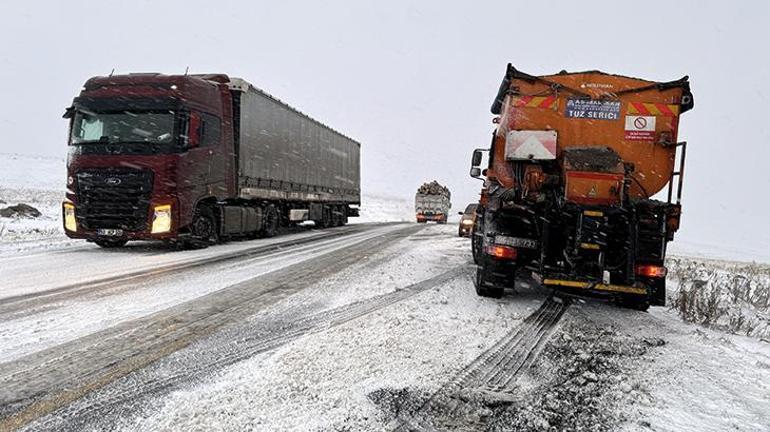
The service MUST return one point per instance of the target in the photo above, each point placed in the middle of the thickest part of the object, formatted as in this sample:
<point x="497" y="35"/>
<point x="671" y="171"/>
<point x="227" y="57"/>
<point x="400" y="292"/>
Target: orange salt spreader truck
<point x="574" y="163"/>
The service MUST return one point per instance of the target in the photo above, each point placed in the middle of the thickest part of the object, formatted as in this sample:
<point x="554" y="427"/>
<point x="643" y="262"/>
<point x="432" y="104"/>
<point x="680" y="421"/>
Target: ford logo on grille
<point x="113" y="181"/>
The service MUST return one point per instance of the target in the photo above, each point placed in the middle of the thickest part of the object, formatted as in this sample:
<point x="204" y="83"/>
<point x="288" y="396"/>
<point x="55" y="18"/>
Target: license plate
<point x="516" y="242"/>
<point x="109" y="232"/>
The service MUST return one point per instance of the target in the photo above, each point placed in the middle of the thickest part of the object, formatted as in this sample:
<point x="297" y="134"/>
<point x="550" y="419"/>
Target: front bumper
<point x="144" y="234"/>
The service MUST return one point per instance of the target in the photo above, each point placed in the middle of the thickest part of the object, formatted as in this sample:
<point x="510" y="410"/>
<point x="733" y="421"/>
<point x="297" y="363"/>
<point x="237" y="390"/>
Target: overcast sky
<point x="413" y="81"/>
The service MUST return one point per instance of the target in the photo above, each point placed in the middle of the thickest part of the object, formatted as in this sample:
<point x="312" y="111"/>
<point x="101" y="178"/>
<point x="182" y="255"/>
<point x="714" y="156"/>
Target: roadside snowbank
<point x="729" y="296"/>
<point x="38" y="181"/>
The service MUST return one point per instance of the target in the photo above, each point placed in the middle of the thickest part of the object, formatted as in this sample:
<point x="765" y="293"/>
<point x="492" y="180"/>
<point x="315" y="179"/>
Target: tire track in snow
<point x="493" y="373"/>
<point x="14" y="307"/>
<point x="40" y="383"/>
<point x="133" y="393"/>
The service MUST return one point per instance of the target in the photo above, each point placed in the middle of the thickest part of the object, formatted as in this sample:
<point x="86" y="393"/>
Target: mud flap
<point x="657" y="292"/>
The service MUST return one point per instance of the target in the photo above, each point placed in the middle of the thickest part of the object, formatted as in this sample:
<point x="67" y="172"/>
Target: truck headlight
<point x="70" y="223"/>
<point x="467" y="222"/>
<point x="161" y="219"/>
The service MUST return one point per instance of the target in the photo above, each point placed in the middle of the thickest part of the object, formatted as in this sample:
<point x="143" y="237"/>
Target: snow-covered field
<point x="319" y="331"/>
<point x="38" y="181"/>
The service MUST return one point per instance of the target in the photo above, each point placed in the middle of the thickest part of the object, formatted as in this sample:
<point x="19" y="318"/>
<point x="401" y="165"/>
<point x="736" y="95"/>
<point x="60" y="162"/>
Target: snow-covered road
<point x="366" y="327"/>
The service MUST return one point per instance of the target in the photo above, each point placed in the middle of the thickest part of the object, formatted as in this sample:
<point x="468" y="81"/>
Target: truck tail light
<point x="502" y="252"/>
<point x="651" y="271"/>
<point x="161" y="219"/>
<point x="70" y="223"/>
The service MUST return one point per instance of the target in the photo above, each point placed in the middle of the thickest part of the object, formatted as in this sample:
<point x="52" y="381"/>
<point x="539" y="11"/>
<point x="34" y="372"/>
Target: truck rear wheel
<point x="485" y="287"/>
<point x="476" y="245"/>
<point x="270" y="227"/>
<point x="337" y="217"/>
<point x="111" y="244"/>
<point x="326" y="218"/>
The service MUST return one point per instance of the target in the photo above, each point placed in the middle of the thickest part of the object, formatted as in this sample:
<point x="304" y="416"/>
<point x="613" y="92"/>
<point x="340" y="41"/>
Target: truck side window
<point x="210" y="130"/>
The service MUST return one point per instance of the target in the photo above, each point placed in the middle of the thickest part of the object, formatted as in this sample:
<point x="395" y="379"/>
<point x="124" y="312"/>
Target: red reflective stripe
<point x="523" y="101"/>
<point x="547" y="102"/>
<point x="665" y="109"/>
<point x="640" y="108"/>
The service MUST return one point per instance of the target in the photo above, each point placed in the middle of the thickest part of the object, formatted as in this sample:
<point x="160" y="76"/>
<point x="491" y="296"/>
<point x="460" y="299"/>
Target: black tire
<point x="477" y="240"/>
<point x="111" y="244"/>
<point x="338" y="218"/>
<point x="476" y="247"/>
<point x="477" y="243"/>
<point x="326" y="218"/>
<point x="204" y="230"/>
<point x="271" y="223"/>
<point x="484" y="288"/>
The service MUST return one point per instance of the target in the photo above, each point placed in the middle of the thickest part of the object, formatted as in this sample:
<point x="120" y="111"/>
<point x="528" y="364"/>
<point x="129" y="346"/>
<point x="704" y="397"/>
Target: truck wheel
<point x="483" y="284"/>
<point x="337" y="217"/>
<point x="326" y="218"/>
<point x="270" y="227"/>
<point x="203" y="229"/>
<point x="110" y="244"/>
<point x="476" y="245"/>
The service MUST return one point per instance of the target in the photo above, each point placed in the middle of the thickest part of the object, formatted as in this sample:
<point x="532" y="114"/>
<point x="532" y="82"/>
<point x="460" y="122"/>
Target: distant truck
<point x="570" y="186"/>
<point x="196" y="158"/>
<point x="432" y="203"/>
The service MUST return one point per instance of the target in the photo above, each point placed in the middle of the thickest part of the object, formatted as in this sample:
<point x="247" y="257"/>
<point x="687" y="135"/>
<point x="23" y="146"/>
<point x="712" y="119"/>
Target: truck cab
<point x="143" y="151"/>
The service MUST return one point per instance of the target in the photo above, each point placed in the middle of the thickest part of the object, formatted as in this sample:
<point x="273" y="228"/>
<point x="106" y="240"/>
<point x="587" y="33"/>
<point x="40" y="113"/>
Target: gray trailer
<point x="284" y="156"/>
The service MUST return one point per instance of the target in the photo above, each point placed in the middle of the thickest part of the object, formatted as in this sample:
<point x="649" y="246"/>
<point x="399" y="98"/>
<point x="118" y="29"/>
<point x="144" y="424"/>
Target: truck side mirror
<point x="193" y="130"/>
<point x="475" y="172"/>
<point x="476" y="160"/>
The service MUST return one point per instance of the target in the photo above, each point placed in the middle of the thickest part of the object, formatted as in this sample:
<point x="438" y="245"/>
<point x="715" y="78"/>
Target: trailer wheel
<point x="270" y="227"/>
<point x="336" y="217"/>
<point x="111" y="244"/>
<point x="484" y="285"/>
<point x="203" y="229"/>
<point x="326" y="217"/>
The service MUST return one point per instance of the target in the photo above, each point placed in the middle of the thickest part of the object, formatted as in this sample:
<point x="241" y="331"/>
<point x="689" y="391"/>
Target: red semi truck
<point x="197" y="158"/>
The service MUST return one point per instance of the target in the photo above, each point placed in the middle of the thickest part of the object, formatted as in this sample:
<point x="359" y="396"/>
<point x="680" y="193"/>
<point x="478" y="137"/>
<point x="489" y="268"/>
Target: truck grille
<point x="114" y="198"/>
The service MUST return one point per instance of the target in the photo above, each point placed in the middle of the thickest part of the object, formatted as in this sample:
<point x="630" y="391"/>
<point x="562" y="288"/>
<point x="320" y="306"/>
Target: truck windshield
<point x="156" y="127"/>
